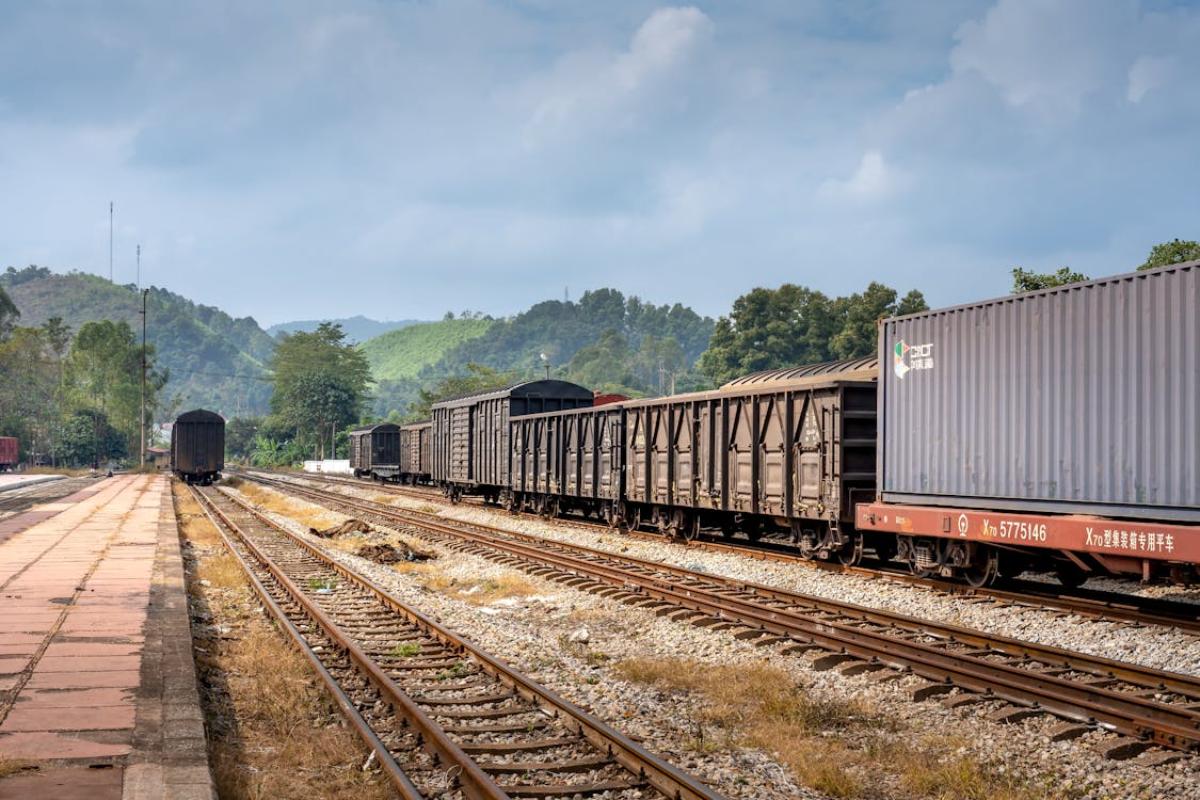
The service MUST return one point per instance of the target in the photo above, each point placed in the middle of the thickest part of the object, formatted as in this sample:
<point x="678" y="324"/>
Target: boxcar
<point x="791" y="448"/>
<point x="414" y="452"/>
<point x="470" y="448"/>
<point x="375" y="451"/>
<point x="198" y="446"/>
<point x="568" y="461"/>
<point x="8" y="453"/>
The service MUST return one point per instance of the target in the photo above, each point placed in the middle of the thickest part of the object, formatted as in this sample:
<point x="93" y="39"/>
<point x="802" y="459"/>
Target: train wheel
<point x="612" y="515"/>
<point x="983" y="572"/>
<point x="690" y="526"/>
<point x="851" y="553"/>
<point x="1070" y="575"/>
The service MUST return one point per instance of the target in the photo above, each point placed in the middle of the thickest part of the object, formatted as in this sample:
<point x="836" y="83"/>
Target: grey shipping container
<point x="1076" y="399"/>
<point x="470" y="449"/>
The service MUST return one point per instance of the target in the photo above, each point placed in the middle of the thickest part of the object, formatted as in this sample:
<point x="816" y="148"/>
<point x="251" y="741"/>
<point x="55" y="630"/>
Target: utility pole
<point x="110" y="241"/>
<point x="142" y="453"/>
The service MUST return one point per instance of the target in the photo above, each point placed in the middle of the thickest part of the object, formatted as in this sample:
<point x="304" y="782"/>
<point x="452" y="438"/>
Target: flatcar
<point x="198" y="446"/>
<point x="9" y="453"/>
<point x="470" y="435"/>
<point x="375" y="451"/>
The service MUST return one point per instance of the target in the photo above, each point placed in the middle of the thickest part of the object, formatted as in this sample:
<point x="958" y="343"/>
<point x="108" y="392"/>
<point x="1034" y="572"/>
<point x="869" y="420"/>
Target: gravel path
<point x="533" y="631"/>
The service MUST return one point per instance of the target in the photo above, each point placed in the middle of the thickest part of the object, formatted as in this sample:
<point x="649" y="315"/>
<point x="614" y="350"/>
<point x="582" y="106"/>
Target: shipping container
<point x="470" y="452"/>
<point x="8" y="453"/>
<point x="568" y="461"/>
<point x="1078" y="399"/>
<point x="375" y="450"/>
<point x="198" y="446"/>
<point x="414" y="452"/>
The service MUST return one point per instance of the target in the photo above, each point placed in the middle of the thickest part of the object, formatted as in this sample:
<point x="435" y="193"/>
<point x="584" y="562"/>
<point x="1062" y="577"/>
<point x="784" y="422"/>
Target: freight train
<point x="1055" y="430"/>
<point x="198" y="446"/>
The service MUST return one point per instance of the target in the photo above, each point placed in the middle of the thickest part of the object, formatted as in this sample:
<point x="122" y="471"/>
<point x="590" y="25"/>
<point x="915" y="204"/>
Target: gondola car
<point x="198" y="446"/>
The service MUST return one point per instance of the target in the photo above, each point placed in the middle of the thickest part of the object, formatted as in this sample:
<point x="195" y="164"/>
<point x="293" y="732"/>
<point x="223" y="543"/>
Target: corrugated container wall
<point x="8" y="450"/>
<point x="1082" y="399"/>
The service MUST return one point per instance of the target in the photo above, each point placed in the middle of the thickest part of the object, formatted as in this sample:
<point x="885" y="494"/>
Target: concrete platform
<point x="12" y="480"/>
<point x="97" y="684"/>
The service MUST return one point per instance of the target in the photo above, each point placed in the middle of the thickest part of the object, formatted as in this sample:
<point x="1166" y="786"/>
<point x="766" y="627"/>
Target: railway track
<point x="442" y="716"/>
<point x="1092" y="603"/>
<point x="1146" y="706"/>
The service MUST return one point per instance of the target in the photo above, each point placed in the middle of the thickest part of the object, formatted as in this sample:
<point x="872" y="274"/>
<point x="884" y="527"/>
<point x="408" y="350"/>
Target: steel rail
<point x="396" y="774"/>
<point x="662" y="776"/>
<point x="1160" y="723"/>
<point x="1096" y="603"/>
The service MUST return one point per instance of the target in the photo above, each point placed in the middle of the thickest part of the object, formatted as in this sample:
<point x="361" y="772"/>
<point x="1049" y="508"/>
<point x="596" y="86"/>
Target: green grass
<point x="403" y="353"/>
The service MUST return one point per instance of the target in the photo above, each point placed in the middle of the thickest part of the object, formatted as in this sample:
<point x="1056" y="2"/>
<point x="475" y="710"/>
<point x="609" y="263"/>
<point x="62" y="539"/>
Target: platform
<point x="15" y="480"/>
<point x="97" y="683"/>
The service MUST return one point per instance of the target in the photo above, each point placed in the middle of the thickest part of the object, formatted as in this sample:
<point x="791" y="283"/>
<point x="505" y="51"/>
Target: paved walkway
<point x="95" y="650"/>
<point x="9" y="480"/>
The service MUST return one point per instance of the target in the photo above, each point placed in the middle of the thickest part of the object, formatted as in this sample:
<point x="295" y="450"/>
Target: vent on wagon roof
<point x="853" y="369"/>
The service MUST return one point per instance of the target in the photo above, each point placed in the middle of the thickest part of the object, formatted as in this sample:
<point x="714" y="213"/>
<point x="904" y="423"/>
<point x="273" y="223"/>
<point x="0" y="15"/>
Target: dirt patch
<point x="303" y="512"/>
<point x="272" y="731"/>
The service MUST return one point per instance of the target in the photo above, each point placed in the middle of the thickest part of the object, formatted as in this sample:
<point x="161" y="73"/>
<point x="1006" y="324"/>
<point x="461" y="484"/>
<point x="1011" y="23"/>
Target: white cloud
<point x="873" y="180"/>
<point x="1147" y="74"/>
<point x="587" y="87"/>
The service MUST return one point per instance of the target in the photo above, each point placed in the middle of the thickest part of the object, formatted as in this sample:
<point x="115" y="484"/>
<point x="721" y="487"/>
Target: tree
<point x="478" y="378"/>
<point x="240" y="433"/>
<point x="1028" y="281"/>
<point x="320" y="384"/>
<point x="859" y="335"/>
<point x="89" y="438"/>
<point x="8" y="314"/>
<point x="1172" y="252"/>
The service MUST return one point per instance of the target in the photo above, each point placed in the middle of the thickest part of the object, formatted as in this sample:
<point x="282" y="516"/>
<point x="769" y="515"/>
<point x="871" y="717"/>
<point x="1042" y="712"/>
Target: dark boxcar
<point x="1077" y="399"/>
<point x="414" y="452"/>
<point x="8" y="453"/>
<point x="375" y="451"/>
<point x="568" y="461"/>
<point x="198" y="446"/>
<point x="470" y="445"/>
<point x="792" y="448"/>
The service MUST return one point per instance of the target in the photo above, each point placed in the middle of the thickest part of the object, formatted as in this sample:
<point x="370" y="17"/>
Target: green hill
<point x="358" y="328"/>
<point x="215" y="361"/>
<point x="403" y="353"/>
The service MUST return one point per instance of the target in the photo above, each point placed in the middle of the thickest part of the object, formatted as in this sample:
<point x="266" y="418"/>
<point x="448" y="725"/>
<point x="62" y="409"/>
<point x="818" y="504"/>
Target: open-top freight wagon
<point x="198" y="446"/>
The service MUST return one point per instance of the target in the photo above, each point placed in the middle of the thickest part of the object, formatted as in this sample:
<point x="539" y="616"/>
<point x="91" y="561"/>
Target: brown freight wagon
<point x="198" y="446"/>
<point x="8" y="453"/>
<point x="375" y="451"/>
<point x="791" y="448"/>
<point x="569" y="461"/>
<point x="470" y="446"/>
<point x="415" y="452"/>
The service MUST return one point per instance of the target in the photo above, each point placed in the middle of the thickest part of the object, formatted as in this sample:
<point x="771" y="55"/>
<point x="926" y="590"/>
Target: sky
<point x="299" y="159"/>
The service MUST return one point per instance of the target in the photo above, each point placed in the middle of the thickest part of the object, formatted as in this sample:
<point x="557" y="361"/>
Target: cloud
<point x="873" y="180"/>
<point x="602" y="88"/>
<point x="1147" y="74"/>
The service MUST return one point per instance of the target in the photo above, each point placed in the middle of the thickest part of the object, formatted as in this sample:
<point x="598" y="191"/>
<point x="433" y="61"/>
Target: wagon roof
<point x="848" y="369"/>
<point x="200" y="415"/>
<point x="413" y="426"/>
<point x="538" y="388"/>
<point x="383" y="427"/>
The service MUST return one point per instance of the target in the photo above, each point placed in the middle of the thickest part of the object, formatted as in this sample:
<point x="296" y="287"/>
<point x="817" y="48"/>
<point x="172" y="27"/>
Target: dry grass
<point x="301" y="511"/>
<point x="477" y="591"/>
<point x="9" y="766"/>
<point x="842" y="749"/>
<point x="272" y="731"/>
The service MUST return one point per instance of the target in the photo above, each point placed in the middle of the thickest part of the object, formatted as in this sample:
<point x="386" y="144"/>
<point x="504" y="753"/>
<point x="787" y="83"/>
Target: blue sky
<point x="397" y="159"/>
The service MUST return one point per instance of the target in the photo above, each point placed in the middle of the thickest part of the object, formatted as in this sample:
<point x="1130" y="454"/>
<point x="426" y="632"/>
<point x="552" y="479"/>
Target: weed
<point x="322" y="585"/>
<point x="405" y="650"/>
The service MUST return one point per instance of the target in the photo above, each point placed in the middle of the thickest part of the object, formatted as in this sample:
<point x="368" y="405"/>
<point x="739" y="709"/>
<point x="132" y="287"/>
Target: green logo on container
<point x="906" y="357"/>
